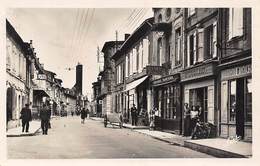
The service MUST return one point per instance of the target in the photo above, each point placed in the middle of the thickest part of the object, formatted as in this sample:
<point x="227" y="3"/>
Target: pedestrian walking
<point x="45" y="115"/>
<point x="83" y="115"/>
<point x="87" y="113"/>
<point x="134" y="114"/>
<point x="26" y="116"/>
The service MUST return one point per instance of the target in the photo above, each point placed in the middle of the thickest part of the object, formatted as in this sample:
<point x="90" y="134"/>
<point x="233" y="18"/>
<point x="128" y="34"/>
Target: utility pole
<point x="98" y="54"/>
<point x="116" y="39"/>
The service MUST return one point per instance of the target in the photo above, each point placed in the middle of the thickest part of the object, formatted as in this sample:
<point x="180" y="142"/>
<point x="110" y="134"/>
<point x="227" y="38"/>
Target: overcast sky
<point x="64" y="37"/>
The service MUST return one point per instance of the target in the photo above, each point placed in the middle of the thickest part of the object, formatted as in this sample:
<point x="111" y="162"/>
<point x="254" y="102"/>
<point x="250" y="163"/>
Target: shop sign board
<point x="198" y="72"/>
<point x="168" y="79"/>
<point x="239" y="71"/>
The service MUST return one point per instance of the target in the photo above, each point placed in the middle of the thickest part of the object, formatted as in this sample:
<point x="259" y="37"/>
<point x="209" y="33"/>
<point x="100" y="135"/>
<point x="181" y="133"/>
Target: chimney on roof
<point x="126" y="36"/>
<point x="30" y="41"/>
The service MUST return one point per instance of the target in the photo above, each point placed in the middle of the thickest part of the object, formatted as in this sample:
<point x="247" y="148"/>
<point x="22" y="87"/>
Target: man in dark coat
<point x="26" y="116"/>
<point x="134" y="114"/>
<point x="83" y="115"/>
<point x="45" y="115"/>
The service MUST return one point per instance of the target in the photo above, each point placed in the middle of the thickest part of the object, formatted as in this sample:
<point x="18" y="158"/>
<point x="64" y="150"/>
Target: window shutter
<point x="139" y="58"/>
<point x="188" y="51"/>
<point x="200" y="53"/>
<point x="134" y="61"/>
<point x="178" y="50"/>
<point x="238" y="22"/>
<point x="119" y="73"/>
<point x="230" y="34"/>
<point x="195" y="47"/>
<point x="215" y="39"/>
<point x="131" y="62"/>
<point x="126" y="65"/>
<point x="146" y="52"/>
<point x="224" y="101"/>
<point x="211" y="104"/>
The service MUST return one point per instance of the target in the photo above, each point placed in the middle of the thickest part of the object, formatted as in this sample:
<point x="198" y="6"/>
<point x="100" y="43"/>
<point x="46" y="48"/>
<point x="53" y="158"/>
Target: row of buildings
<point x="27" y="81"/>
<point x="198" y="56"/>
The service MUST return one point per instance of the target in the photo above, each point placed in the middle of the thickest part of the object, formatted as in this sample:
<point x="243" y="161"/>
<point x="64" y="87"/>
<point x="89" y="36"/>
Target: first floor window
<point x="178" y="46"/>
<point x="235" y="22"/>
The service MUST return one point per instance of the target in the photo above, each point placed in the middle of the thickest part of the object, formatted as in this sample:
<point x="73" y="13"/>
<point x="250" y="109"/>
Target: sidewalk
<point x="221" y="147"/>
<point x="17" y="132"/>
<point x="173" y="139"/>
<point x="218" y="147"/>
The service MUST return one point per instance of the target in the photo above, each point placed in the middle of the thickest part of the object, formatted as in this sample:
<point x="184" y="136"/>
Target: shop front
<point x="199" y="92"/>
<point x="167" y="103"/>
<point x="236" y="102"/>
<point x="137" y="92"/>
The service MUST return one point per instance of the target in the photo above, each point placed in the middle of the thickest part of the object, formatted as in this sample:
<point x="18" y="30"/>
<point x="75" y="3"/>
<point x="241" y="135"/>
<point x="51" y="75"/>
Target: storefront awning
<point x="135" y="83"/>
<point x="40" y="93"/>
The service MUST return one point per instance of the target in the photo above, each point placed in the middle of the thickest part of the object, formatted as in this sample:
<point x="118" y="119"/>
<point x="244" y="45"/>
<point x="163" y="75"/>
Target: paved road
<point x="69" y="139"/>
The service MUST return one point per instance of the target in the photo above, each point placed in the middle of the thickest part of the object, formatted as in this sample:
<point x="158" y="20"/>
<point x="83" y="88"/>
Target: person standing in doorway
<point x="134" y="115"/>
<point x="26" y="116"/>
<point x="45" y="114"/>
<point x="83" y="115"/>
<point x="187" y="120"/>
<point x="194" y="114"/>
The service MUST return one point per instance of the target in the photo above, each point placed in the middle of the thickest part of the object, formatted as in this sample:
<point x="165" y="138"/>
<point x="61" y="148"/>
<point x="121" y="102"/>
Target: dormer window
<point x="191" y="11"/>
<point x="168" y="13"/>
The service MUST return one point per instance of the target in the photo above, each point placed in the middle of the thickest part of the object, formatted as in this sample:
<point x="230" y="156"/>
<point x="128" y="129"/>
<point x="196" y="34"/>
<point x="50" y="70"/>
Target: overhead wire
<point x="87" y="30"/>
<point x="77" y="33"/>
<point x="73" y="34"/>
<point x="139" y="19"/>
<point x="82" y="32"/>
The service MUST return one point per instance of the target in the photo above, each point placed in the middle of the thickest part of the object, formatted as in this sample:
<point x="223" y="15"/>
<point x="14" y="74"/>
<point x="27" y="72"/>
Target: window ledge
<point x="235" y="38"/>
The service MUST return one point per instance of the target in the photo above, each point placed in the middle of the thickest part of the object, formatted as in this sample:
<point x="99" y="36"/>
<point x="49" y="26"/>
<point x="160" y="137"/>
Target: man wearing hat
<point x="26" y="116"/>
<point x="134" y="114"/>
<point x="45" y="114"/>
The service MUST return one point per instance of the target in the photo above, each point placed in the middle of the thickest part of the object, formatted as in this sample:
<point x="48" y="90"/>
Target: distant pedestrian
<point x="134" y="114"/>
<point x="45" y="115"/>
<point x="152" y="119"/>
<point x="87" y="113"/>
<point x="26" y="116"/>
<point x="83" y="115"/>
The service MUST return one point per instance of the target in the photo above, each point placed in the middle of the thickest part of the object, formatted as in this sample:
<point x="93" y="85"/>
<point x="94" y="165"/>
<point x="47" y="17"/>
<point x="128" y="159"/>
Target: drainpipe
<point x="183" y="66"/>
<point x="218" y="83"/>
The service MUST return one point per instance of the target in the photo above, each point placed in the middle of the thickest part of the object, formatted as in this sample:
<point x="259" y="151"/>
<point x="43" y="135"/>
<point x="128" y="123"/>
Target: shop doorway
<point x="199" y="100"/>
<point x="9" y="104"/>
<point x="240" y="107"/>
